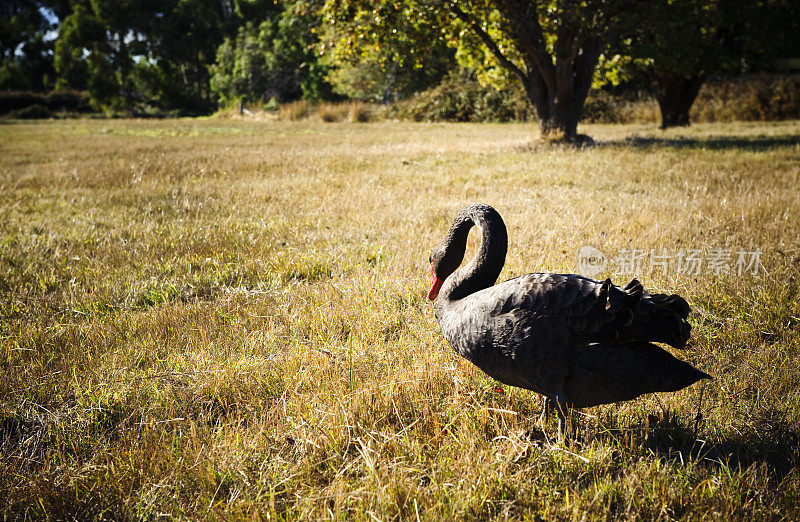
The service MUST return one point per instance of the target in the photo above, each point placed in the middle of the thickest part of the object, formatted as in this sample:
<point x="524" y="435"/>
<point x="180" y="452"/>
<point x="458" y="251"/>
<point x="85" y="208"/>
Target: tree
<point x="403" y="56"/>
<point x="551" y="47"/>
<point x="382" y="79"/>
<point x="97" y="48"/>
<point x="142" y="54"/>
<point x="276" y="59"/>
<point x="82" y="57"/>
<point x="26" y="61"/>
<point x="677" y="44"/>
<point x="184" y="44"/>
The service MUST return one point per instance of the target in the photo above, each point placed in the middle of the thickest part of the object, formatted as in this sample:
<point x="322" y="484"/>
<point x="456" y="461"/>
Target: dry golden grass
<point x="228" y="319"/>
<point x="303" y="111"/>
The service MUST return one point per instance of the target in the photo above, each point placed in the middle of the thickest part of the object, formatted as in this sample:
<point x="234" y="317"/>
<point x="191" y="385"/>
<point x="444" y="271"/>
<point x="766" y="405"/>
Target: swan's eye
<point x="430" y="259"/>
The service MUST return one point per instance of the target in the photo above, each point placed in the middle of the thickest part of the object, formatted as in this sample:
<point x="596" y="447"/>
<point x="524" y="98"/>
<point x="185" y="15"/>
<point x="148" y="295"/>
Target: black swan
<point x="577" y="341"/>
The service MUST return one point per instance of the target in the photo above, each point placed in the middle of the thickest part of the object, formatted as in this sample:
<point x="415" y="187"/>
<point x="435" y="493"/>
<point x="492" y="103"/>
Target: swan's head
<point x="444" y="261"/>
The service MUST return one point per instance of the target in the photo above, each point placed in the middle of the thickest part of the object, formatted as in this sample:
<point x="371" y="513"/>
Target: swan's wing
<point x="606" y="373"/>
<point x="540" y="347"/>
<point x="590" y="311"/>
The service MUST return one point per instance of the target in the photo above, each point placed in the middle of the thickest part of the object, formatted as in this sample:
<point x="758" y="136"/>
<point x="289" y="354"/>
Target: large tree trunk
<point x="676" y="95"/>
<point x="559" y="103"/>
<point x="556" y="88"/>
<point x="558" y="117"/>
<point x="556" y="82"/>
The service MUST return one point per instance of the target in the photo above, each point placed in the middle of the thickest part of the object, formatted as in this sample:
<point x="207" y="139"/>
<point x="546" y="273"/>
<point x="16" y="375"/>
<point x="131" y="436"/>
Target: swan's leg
<point x="563" y="416"/>
<point x="547" y="407"/>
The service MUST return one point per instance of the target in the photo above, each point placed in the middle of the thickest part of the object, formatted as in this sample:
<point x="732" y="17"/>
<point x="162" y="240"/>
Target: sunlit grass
<point x="229" y="319"/>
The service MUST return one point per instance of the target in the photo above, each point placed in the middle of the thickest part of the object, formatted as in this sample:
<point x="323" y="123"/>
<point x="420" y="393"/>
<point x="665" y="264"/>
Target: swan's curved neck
<point x="482" y="271"/>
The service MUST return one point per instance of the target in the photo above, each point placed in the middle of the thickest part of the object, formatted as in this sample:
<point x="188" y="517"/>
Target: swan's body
<point x="578" y="341"/>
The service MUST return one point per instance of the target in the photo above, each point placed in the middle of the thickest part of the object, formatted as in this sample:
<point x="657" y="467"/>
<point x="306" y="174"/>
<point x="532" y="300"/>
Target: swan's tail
<point x="658" y="318"/>
<point x="669" y="319"/>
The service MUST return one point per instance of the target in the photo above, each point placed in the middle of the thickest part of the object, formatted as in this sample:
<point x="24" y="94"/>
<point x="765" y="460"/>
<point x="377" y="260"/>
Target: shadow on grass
<point x="776" y="449"/>
<point x="773" y="443"/>
<point x="751" y="143"/>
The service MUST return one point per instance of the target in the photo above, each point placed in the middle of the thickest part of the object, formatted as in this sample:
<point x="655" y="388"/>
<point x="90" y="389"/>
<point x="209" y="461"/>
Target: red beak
<point x="436" y="285"/>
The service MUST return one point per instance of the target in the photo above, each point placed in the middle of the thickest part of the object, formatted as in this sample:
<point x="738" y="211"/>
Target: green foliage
<point x="362" y="81"/>
<point x="550" y="47"/>
<point x="187" y="56"/>
<point x="370" y="80"/>
<point x="31" y="69"/>
<point x="472" y="53"/>
<point x="272" y="105"/>
<point x="383" y="53"/>
<point x="149" y="55"/>
<point x="76" y="31"/>
<point x="383" y="32"/>
<point x="26" y="61"/>
<point x="184" y="44"/>
<point x="83" y="59"/>
<point x="275" y="59"/>
<point x="238" y="68"/>
<point x="614" y="70"/>
<point x="104" y="85"/>
<point x="686" y="37"/>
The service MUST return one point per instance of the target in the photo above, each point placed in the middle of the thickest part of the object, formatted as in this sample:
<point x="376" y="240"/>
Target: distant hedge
<point x="754" y="97"/>
<point x="25" y="104"/>
<point x="461" y="98"/>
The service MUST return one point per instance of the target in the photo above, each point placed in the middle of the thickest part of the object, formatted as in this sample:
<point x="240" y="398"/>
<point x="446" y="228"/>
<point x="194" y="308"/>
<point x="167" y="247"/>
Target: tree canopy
<point x="26" y="60"/>
<point x="551" y="47"/>
<point x="677" y="44"/>
<point x="275" y="59"/>
<point x="192" y="56"/>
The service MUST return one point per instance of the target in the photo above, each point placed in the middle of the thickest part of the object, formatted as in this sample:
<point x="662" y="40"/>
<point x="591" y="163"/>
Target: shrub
<point x="745" y="98"/>
<point x="272" y="105"/>
<point x="600" y="107"/>
<point x="755" y="97"/>
<point x="71" y="101"/>
<point x="35" y="111"/>
<point x="11" y="101"/>
<point x="26" y="104"/>
<point x="361" y="113"/>
<point x="603" y="107"/>
<point x="460" y="97"/>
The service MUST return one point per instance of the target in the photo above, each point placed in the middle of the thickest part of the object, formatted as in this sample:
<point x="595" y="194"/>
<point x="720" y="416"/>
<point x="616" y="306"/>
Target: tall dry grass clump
<point x="362" y="112"/>
<point x="227" y="319"/>
<point x="761" y="97"/>
<point x="327" y="112"/>
<point x="295" y="111"/>
<point x="332" y="112"/>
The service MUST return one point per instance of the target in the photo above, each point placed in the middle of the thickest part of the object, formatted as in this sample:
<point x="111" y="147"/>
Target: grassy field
<point x="215" y="318"/>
